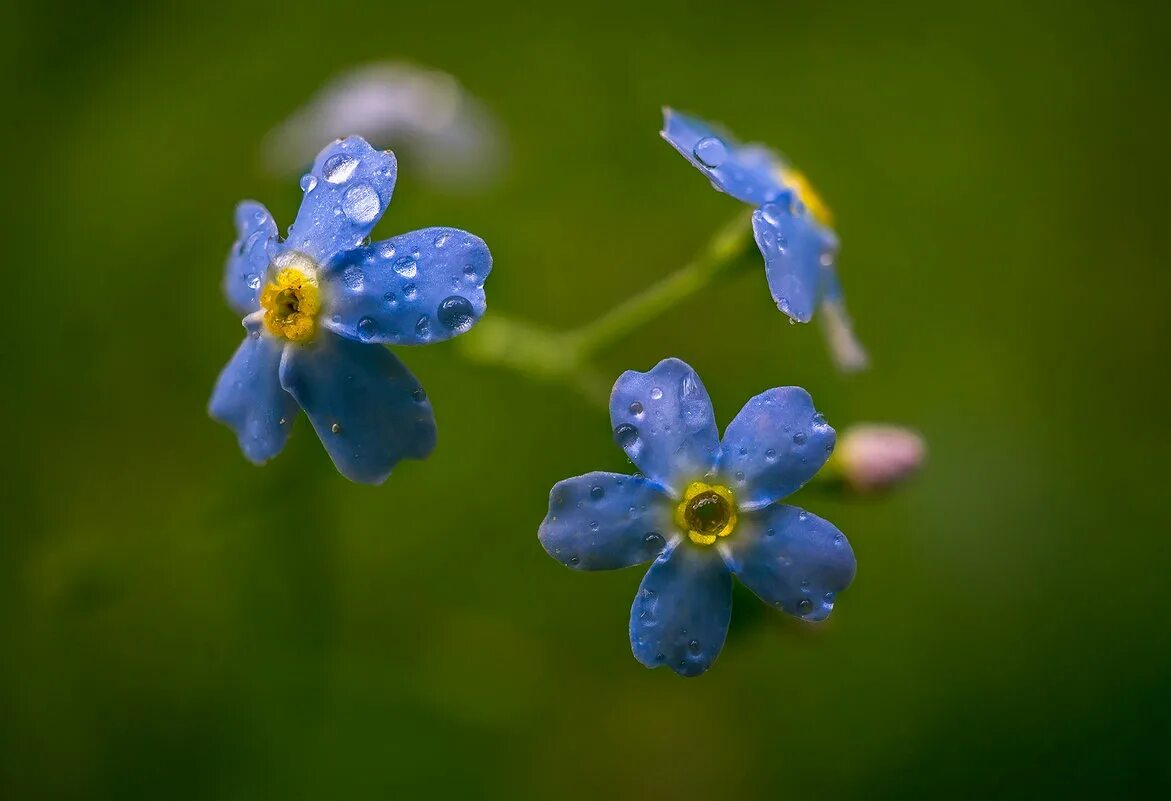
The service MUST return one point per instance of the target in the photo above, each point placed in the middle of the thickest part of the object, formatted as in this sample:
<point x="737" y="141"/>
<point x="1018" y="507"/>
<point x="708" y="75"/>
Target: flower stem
<point x="566" y="356"/>
<point x="719" y="254"/>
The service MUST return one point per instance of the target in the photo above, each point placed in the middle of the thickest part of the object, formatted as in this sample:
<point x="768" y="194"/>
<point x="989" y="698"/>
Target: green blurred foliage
<point x="179" y="624"/>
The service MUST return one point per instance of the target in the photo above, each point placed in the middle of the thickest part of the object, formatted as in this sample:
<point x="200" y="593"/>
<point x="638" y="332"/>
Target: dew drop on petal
<point x="361" y="204"/>
<point x="353" y="277"/>
<point x="367" y="328"/>
<point x="410" y="291"/>
<point x="597" y="493"/>
<point x="799" y="438"/>
<point x="456" y="313"/>
<point x="636" y="408"/>
<point x="407" y="267"/>
<point x="339" y="167"/>
<point x="710" y="152"/>
<point x="656" y="393"/>
<point x="308" y="182"/>
<point x="423" y="326"/>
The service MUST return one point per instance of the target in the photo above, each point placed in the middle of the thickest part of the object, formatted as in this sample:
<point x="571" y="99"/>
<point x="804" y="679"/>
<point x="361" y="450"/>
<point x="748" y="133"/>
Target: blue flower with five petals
<point x="791" y="224"/>
<point x="321" y="305"/>
<point x="703" y="509"/>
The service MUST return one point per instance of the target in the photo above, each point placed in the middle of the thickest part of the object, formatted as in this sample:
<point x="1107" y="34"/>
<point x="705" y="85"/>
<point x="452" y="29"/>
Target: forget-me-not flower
<point x="703" y="510"/>
<point x="321" y="305"/>
<point x="791" y="224"/>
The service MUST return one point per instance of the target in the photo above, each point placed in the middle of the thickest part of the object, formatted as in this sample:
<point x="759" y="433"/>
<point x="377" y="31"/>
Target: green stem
<point x="720" y="254"/>
<point x="566" y="356"/>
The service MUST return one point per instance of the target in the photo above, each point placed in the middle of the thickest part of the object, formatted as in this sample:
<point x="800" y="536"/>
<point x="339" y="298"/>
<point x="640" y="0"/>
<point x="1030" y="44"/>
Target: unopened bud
<point x="874" y="457"/>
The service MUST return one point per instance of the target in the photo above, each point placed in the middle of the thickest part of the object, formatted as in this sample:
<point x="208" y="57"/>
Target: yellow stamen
<point x="797" y="181"/>
<point x="706" y="512"/>
<point x="291" y="302"/>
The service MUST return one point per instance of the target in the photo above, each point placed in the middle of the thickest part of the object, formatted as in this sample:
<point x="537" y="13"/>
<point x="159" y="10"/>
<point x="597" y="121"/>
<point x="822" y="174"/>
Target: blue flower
<point x="321" y="305"/>
<point x="703" y="510"/>
<point x="791" y="224"/>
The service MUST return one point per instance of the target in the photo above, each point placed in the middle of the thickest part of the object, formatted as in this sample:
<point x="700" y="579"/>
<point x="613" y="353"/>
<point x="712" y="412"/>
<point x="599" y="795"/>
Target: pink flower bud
<point x="874" y="457"/>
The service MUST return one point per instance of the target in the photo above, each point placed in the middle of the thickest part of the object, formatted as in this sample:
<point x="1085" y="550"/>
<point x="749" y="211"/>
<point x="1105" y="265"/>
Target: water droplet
<point x="573" y="560"/>
<point x="282" y="421"/>
<point x="423" y="326"/>
<point x="710" y="152"/>
<point x="839" y="539"/>
<point x="636" y="408"/>
<point x="339" y="167"/>
<point x="407" y="267"/>
<point x="771" y="213"/>
<point x="693" y="646"/>
<point x="594" y="525"/>
<point x="390" y="299"/>
<point x="336" y="428"/>
<point x="441" y="240"/>
<point x="743" y="451"/>
<point x="419" y="395"/>
<point x="740" y="477"/>
<point x="308" y="182"/>
<point x="771" y="532"/>
<point x="410" y="291"/>
<point x="470" y="273"/>
<point x="367" y="328"/>
<point x="456" y="313"/>
<point x="799" y="438"/>
<point x="353" y="277"/>
<point x="597" y="493"/>
<point x="827" y="259"/>
<point x="805" y="606"/>
<point x="653" y="538"/>
<point x="803" y="515"/>
<point x="361" y="203"/>
<point x="656" y="393"/>
<point x="770" y="454"/>
<point x="253" y="280"/>
<point x="626" y="436"/>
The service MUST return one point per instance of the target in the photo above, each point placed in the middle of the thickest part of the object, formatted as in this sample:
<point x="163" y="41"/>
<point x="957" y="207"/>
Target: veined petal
<point x="346" y="193"/>
<point x="792" y="560"/>
<point x="366" y="407"/>
<point x="794" y="247"/>
<point x="603" y="521"/>
<point x="256" y="238"/>
<point x="775" y="444"/>
<point x="664" y="421"/>
<point x="420" y="287"/>
<point x="249" y="399"/>
<point x="681" y="613"/>
<point x="749" y="173"/>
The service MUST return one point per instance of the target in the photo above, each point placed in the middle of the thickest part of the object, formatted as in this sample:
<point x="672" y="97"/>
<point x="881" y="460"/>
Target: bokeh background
<point x="179" y="624"/>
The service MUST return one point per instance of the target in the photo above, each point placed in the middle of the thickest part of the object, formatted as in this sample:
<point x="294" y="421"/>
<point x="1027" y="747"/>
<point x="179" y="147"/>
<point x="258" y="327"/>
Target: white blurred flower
<point x="446" y="136"/>
<point x="873" y="457"/>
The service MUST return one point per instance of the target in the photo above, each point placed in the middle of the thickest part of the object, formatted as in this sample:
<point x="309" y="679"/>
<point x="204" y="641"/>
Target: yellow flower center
<point x="706" y="512"/>
<point x="291" y="301"/>
<point x="797" y="181"/>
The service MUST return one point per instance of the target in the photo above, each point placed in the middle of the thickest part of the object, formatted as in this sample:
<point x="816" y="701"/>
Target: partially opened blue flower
<point x="791" y="224"/>
<point x="703" y="510"/>
<point x="321" y="305"/>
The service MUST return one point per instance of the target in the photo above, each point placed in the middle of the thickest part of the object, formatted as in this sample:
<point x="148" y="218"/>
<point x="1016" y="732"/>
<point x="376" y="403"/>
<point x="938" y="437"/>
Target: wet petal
<point x="420" y="287"/>
<point x="663" y="419"/>
<point x="366" y="407"/>
<point x="346" y="193"/>
<point x="792" y="559"/>
<point x="777" y="442"/>
<point x="681" y="613"/>
<point x="249" y="399"/>
<point x="793" y="246"/>
<point x="603" y="521"/>
<point x="256" y="239"/>
<point x="748" y="173"/>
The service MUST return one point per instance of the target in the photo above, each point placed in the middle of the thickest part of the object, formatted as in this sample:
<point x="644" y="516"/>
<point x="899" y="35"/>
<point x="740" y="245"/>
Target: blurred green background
<point x="177" y="623"/>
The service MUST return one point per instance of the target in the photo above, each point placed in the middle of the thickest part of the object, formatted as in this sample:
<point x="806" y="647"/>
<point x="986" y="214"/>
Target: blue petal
<point x="746" y="172"/>
<point x="680" y="615"/>
<point x="420" y="287"/>
<point x="603" y="521"/>
<point x="793" y="246"/>
<point x="792" y="559"/>
<point x="366" y="407"/>
<point x="249" y="399"/>
<point x="845" y="348"/>
<point x="345" y="195"/>
<point x="663" y="419"/>
<point x="777" y="442"/>
<point x="256" y="238"/>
